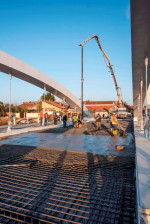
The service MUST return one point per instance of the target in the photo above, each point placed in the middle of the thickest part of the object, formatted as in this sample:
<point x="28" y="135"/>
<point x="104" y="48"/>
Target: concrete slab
<point x="102" y="144"/>
<point x="121" y="173"/>
<point x="28" y="129"/>
<point x="143" y="175"/>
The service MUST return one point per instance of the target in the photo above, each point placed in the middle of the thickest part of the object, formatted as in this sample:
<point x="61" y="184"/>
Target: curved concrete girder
<point x="21" y="70"/>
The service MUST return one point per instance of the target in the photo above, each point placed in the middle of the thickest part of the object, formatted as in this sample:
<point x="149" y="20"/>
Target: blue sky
<point x="45" y="34"/>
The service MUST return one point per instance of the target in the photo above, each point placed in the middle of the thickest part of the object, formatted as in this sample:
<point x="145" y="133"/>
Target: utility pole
<point x="82" y="81"/>
<point x="81" y="45"/>
<point x="9" y="121"/>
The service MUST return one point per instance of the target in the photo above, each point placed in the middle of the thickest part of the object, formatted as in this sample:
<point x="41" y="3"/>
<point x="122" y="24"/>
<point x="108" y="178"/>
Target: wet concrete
<point x="89" y="128"/>
<point x="100" y="144"/>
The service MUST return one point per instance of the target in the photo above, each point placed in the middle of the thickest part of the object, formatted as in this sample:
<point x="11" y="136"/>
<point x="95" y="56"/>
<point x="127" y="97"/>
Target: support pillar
<point x="44" y="91"/>
<point x="38" y="119"/>
<point x="64" y="100"/>
<point x="148" y="97"/>
<point x="14" y="120"/>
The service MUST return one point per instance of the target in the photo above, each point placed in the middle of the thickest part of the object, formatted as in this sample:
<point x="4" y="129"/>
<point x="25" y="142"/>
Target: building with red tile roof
<point x="101" y="107"/>
<point x="30" y="106"/>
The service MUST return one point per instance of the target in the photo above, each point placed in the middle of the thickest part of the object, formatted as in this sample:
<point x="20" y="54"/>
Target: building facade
<point x="101" y="107"/>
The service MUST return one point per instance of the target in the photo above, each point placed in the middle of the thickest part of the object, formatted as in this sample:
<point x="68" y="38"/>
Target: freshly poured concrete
<point x="104" y="145"/>
<point x="21" y="129"/>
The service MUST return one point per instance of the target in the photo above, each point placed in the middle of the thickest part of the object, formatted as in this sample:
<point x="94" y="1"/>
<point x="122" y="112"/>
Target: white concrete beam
<point x="148" y="97"/>
<point x="21" y="70"/>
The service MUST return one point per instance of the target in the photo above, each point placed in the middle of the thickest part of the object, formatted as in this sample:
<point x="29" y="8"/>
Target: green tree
<point x="13" y="109"/>
<point x="6" y="107"/>
<point x="1" y="106"/>
<point x="23" y="109"/>
<point x="39" y="106"/>
<point x="18" y="109"/>
<point x="48" y="96"/>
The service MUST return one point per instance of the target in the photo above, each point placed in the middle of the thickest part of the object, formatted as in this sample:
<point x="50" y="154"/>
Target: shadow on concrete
<point x="96" y="131"/>
<point x="130" y="127"/>
<point x="37" y="205"/>
<point x="94" y="189"/>
<point x="13" y="154"/>
<point x="127" y="126"/>
<point x="109" y="179"/>
<point x="61" y="130"/>
<point x="107" y="129"/>
<point x="89" y="189"/>
<point x="49" y="184"/>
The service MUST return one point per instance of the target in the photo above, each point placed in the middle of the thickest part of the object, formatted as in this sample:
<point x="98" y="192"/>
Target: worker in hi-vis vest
<point x="75" y="119"/>
<point x="114" y="121"/>
<point x="41" y="117"/>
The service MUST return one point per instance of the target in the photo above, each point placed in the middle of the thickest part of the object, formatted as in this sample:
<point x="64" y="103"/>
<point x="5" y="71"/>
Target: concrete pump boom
<point x="107" y="64"/>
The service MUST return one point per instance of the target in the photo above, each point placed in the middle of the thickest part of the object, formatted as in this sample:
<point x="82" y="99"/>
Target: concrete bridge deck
<point x="86" y="180"/>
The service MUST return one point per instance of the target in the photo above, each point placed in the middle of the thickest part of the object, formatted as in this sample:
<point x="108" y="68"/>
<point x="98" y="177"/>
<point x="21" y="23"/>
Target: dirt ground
<point x="11" y="154"/>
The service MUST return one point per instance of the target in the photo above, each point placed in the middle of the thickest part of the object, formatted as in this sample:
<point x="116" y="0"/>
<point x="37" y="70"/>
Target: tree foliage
<point x="39" y="106"/>
<point x="1" y="106"/>
<point x="48" y="96"/>
<point x="18" y="109"/>
<point x="14" y="108"/>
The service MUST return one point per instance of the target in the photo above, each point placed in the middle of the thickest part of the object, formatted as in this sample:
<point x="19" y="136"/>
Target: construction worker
<point x="41" y="117"/>
<point x="98" y="121"/>
<point x="75" y="118"/>
<point x="114" y="123"/>
<point x="79" y="121"/>
<point x="46" y="118"/>
<point x="64" y="120"/>
<point x="110" y="120"/>
<point x="55" y="119"/>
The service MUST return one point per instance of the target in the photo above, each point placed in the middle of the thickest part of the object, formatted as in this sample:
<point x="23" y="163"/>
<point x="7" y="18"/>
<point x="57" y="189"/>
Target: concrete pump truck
<point x="122" y="112"/>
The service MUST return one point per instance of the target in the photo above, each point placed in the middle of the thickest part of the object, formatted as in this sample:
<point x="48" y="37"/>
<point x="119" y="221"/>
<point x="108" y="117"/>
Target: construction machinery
<point x="122" y="112"/>
<point x="108" y="64"/>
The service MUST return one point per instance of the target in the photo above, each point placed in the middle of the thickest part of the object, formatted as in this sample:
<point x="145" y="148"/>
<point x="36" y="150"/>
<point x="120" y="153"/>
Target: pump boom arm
<point x="107" y="64"/>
